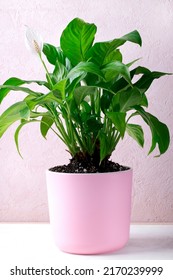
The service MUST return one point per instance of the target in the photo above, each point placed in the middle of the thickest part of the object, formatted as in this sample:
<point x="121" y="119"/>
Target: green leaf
<point x="159" y="131"/>
<point x="105" y="100"/>
<point x="126" y="100"/>
<point x="133" y="37"/>
<point x="100" y="55"/>
<point x="16" y="135"/>
<point x="130" y="98"/>
<point x="45" y="125"/>
<point x="81" y="92"/>
<point x="104" y="146"/>
<point x="23" y="89"/>
<point x="53" y="96"/>
<point x="86" y="108"/>
<point x="74" y="83"/>
<point x="14" y="83"/>
<point x="93" y="125"/>
<point x="147" y="77"/>
<point x="114" y="69"/>
<point x="16" y="112"/>
<point x="132" y="62"/>
<point x="100" y="52"/>
<point x="84" y="67"/>
<point x="76" y="39"/>
<point x="142" y="84"/>
<point x="118" y="119"/>
<point x="114" y="56"/>
<point x="136" y="132"/>
<point x="53" y="54"/>
<point x="59" y="89"/>
<point x="59" y="73"/>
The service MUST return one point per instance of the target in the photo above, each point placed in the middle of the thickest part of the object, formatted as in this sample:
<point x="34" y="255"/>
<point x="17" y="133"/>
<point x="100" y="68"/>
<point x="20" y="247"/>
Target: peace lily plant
<point x="92" y="96"/>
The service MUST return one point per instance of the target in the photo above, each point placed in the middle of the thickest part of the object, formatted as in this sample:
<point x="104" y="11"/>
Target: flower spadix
<point x="33" y="41"/>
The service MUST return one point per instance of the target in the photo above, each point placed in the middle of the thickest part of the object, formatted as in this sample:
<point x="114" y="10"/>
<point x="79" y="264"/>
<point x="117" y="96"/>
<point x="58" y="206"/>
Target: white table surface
<point x="32" y="241"/>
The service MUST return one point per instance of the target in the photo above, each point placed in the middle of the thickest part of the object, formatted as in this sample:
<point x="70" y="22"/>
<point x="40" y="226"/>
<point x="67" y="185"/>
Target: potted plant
<point x="91" y="99"/>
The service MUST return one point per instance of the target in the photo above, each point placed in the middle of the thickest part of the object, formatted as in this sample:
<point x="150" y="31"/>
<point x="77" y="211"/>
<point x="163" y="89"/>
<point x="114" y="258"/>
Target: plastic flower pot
<point x="90" y="213"/>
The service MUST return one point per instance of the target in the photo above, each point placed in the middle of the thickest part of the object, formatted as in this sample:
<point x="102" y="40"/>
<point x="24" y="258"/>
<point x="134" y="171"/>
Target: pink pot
<point x="90" y="213"/>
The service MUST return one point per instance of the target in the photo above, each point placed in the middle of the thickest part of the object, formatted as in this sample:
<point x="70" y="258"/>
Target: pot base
<point x="96" y="252"/>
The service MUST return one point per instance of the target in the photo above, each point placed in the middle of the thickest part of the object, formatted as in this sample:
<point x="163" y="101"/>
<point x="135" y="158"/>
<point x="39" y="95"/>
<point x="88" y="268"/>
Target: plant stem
<point x="44" y="65"/>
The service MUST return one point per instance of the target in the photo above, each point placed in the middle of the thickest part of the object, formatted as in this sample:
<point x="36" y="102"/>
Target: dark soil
<point x="88" y="166"/>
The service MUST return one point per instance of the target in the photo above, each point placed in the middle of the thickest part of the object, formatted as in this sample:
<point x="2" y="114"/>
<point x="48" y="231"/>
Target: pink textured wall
<point x="23" y="194"/>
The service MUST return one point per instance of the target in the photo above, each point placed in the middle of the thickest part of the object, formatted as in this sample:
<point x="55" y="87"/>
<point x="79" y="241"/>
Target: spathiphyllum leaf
<point x="59" y="73"/>
<point x="101" y="52"/>
<point x="60" y="88"/>
<point x="53" y="54"/>
<point x="146" y="80"/>
<point x="76" y="39"/>
<point x="14" y="83"/>
<point x="81" y="92"/>
<point x="130" y="98"/>
<point x="118" y="119"/>
<point x="84" y="68"/>
<point x="143" y="83"/>
<point x="100" y="55"/>
<point x="159" y="131"/>
<point x="16" y="135"/>
<point x="104" y="146"/>
<point x="16" y="112"/>
<point x="113" y="69"/>
<point x="127" y="99"/>
<point x="135" y="131"/>
<point x="45" y="125"/>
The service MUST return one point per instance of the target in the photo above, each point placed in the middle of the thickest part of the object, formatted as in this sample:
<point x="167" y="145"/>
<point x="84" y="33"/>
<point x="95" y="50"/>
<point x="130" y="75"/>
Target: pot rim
<point x="97" y="173"/>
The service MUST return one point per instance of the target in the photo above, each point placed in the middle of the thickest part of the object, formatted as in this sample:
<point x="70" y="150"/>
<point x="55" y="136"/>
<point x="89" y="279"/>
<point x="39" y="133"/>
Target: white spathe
<point x="33" y="41"/>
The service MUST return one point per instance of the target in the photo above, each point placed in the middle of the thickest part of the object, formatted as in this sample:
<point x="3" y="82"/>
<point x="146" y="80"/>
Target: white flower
<point x="33" y="41"/>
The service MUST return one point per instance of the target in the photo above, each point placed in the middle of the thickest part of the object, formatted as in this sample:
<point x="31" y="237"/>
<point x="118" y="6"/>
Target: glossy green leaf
<point x="100" y="55"/>
<point x="142" y="84"/>
<point x="54" y="96"/>
<point x="74" y="83"/>
<point x="135" y="131"/>
<point x="22" y="89"/>
<point x="84" y="67"/>
<point x="45" y="124"/>
<point x="159" y="130"/>
<point x="76" y="39"/>
<point x="100" y="52"/>
<point x="59" y="89"/>
<point x="59" y="73"/>
<point x="118" y="119"/>
<point x="16" y="135"/>
<point x="53" y="54"/>
<point x="104" y="146"/>
<point x="147" y="78"/>
<point x="93" y="125"/>
<point x="14" y="83"/>
<point x="127" y="99"/>
<point x="114" y="69"/>
<point x="14" y="113"/>
<point x="81" y="92"/>
<point x="105" y="100"/>
<point x="114" y="56"/>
